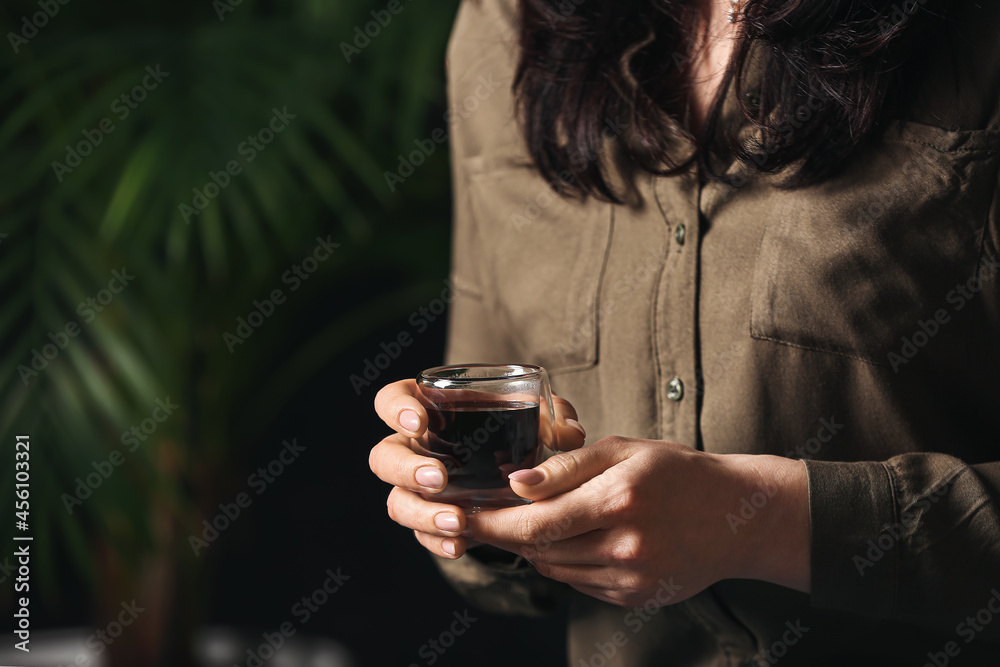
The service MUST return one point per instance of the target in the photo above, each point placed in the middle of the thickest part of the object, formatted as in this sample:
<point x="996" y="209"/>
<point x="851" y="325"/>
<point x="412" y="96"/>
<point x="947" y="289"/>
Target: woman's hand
<point x="438" y="526"/>
<point x="632" y="521"/>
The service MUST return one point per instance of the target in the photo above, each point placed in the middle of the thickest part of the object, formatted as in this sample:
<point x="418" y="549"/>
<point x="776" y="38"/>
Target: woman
<point x="756" y="245"/>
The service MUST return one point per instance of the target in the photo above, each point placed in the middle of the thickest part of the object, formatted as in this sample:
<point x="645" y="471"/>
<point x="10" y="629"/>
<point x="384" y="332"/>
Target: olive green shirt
<point x="854" y="324"/>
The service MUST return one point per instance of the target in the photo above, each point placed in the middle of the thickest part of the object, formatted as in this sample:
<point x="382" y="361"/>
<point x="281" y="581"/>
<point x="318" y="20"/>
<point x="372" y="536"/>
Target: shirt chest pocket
<point x="853" y="265"/>
<point x="544" y="257"/>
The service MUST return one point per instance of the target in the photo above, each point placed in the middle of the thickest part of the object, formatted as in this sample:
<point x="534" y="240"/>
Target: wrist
<point x="770" y="518"/>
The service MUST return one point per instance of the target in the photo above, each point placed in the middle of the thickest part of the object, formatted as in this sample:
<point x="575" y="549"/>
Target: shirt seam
<point x="895" y="564"/>
<point x="653" y="315"/>
<point x="759" y="336"/>
<point x="987" y="152"/>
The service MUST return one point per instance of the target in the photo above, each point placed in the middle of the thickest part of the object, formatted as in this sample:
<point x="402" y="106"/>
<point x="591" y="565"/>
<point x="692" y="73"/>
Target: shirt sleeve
<point x="915" y="538"/>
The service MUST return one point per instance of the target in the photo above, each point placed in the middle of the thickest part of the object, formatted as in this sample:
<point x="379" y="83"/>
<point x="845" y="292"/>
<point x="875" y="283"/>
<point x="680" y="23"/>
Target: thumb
<point x="567" y="470"/>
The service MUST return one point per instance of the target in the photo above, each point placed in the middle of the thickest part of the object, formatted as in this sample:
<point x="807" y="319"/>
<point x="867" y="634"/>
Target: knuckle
<point x="631" y="548"/>
<point x="404" y="470"/>
<point x="618" y="505"/>
<point x="390" y="506"/>
<point x="529" y="530"/>
<point x="634" y="584"/>
<point x="613" y="442"/>
<point x="391" y="399"/>
<point x="382" y="397"/>
<point x="564" y="464"/>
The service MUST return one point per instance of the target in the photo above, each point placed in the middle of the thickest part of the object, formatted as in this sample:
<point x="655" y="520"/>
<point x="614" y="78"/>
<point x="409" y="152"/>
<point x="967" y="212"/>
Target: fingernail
<point x="528" y="476"/>
<point x="448" y="546"/>
<point x="447" y="521"/>
<point x="430" y="477"/>
<point x="409" y="420"/>
<point x="577" y="425"/>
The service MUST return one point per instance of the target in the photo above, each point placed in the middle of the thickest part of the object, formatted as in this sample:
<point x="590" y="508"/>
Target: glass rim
<point x="520" y="372"/>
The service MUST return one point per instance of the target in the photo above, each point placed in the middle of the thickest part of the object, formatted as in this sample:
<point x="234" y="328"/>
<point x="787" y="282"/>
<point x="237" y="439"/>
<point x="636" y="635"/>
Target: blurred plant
<point x="69" y="225"/>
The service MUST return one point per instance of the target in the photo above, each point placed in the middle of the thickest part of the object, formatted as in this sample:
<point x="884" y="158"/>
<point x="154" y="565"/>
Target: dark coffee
<point x="480" y="444"/>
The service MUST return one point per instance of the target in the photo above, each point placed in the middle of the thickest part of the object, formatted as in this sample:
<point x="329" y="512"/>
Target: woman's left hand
<point x="633" y="521"/>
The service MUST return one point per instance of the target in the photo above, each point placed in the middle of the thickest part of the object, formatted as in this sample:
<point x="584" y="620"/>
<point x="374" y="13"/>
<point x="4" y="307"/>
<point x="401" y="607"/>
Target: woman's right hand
<point x="437" y="526"/>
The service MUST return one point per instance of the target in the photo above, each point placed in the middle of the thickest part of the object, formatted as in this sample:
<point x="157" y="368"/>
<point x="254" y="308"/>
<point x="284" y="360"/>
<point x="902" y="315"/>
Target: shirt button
<point x="675" y="389"/>
<point x="679" y="234"/>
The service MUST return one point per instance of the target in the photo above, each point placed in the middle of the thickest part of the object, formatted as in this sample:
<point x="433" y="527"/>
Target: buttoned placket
<point x="675" y="309"/>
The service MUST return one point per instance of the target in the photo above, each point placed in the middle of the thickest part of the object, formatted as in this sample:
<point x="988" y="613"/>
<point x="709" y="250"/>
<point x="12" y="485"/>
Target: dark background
<point x="62" y="233"/>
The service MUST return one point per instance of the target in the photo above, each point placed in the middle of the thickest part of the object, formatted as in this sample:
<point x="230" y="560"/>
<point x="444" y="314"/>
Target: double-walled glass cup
<point x="484" y="422"/>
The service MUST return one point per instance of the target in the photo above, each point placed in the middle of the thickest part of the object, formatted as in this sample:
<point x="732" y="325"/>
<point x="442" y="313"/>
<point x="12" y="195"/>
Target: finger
<point x="598" y="578"/>
<point x="569" y="434"/>
<point x="408" y="509"/>
<point x="594" y="548"/>
<point x="604" y="594"/>
<point x="574" y="575"/>
<point x="562" y="552"/>
<point x="558" y="518"/>
<point x="396" y="403"/>
<point x="394" y="462"/>
<point x="566" y="470"/>
<point x="446" y="547"/>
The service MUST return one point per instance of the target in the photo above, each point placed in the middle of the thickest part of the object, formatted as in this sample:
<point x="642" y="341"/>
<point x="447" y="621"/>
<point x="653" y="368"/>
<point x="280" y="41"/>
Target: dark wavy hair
<point x="830" y="69"/>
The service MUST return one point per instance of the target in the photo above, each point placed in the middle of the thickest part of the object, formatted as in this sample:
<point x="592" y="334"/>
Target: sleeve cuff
<point x="855" y="556"/>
